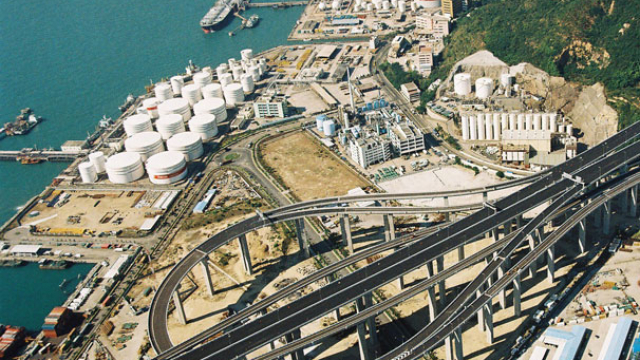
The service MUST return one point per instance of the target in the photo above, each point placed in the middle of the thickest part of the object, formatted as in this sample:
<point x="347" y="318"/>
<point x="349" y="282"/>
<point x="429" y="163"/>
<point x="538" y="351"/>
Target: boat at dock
<point x="23" y="124"/>
<point x="12" y="263"/>
<point x="46" y="264"/>
<point x="127" y="103"/>
<point x="216" y="17"/>
<point x="252" y="21"/>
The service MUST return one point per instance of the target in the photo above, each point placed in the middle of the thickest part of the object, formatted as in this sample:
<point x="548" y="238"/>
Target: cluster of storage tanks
<point x="485" y="126"/>
<point x="325" y="125"/>
<point x="157" y="136"/>
<point x="362" y="5"/>
<point x="484" y="86"/>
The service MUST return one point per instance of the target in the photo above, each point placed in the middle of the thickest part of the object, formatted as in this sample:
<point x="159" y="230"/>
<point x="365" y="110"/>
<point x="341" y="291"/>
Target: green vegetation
<point x="398" y="76"/>
<point x="500" y="174"/>
<point x="586" y="41"/>
<point x="231" y="157"/>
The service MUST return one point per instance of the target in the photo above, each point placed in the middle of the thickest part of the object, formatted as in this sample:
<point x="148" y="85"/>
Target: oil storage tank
<point x="328" y="128"/>
<point x="151" y="105"/>
<point x="87" y="172"/>
<point x="178" y="106"/>
<point x="163" y="91"/>
<point x="145" y="143"/>
<point x="167" y="167"/>
<point x="169" y="125"/>
<point x="202" y="79"/>
<point x="462" y="84"/>
<point x="212" y="91"/>
<point x="484" y="87"/>
<point x="187" y="143"/>
<point x="99" y="161"/>
<point x="124" y="168"/>
<point x="247" y="83"/>
<point x="192" y="93"/>
<point x="137" y="123"/>
<point x="233" y="94"/>
<point x="204" y="125"/>
<point x="177" y="83"/>
<point x="213" y="106"/>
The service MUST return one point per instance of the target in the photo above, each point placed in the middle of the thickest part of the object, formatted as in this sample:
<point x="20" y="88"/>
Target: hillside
<point x="585" y="41"/>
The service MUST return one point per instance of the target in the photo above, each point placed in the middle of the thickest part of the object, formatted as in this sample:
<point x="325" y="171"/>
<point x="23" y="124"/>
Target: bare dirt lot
<point x="307" y="168"/>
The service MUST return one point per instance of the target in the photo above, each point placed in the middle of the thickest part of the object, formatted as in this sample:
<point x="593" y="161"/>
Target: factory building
<point x="406" y="138"/>
<point x="451" y="7"/>
<point x="368" y="151"/>
<point x="540" y="140"/>
<point x="424" y="64"/>
<point x="433" y="23"/>
<point x="270" y="106"/>
<point x="398" y="46"/>
<point x="410" y="91"/>
<point x="567" y="342"/>
<point x="617" y="337"/>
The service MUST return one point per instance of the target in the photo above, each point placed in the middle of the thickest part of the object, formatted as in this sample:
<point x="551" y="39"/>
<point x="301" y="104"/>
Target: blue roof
<point x="619" y="338"/>
<point x="200" y="206"/>
<point x="573" y="340"/>
<point x="636" y="346"/>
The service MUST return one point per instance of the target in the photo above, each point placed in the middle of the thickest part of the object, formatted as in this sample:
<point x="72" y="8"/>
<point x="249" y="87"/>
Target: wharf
<point x="277" y="4"/>
<point x="41" y="155"/>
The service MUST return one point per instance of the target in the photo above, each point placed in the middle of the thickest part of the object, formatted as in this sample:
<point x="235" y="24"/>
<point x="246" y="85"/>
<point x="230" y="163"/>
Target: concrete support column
<point x="433" y="304"/>
<point x="517" y="296"/>
<point x="519" y="221"/>
<point x="460" y="252"/>
<point x="582" y="235"/>
<point x="551" y="265"/>
<point x="457" y="337"/>
<point x="207" y="274"/>
<point x="448" y="347"/>
<point x="480" y="313"/>
<point x="362" y="334"/>
<point x="371" y="326"/>
<point x="624" y="200"/>
<point x="345" y="228"/>
<point x="597" y="217"/>
<point x="244" y="253"/>
<point x="329" y="279"/>
<point x="300" y="235"/>
<point x="389" y="228"/>
<point x="488" y="320"/>
<point x="446" y="204"/>
<point x="485" y="197"/>
<point x="606" y="219"/>
<point x="502" y="295"/>
<point x="507" y="228"/>
<point x="442" y="290"/>
<point x="179" y="310"/>
<point x="295" y="335"/>
<point x="633" y="204"/>
<point x="496" y="234"/>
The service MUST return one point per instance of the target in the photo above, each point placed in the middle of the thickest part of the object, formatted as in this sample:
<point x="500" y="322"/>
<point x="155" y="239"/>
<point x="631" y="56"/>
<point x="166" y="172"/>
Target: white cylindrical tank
<point x="545" y="122"/>
<point x="222" y="69"/>
<point x="488" y="126"/>
<point x="151" y="105"/>
<point x="484" y="88"/>
<point x="462" y="84"/>
<point x="505" y="80"/>
<point x="213" y="106"/>
<point x="137" y="123"/>
<point x="394" y="3"/>
<point x="570" y="129"/>
<point x="177" y="82"/>
<point x="167" y="167"/>
<point x="528" y="122"/>
<point x="465" y="127"/>
<point x="504" y="122"/>
<point x="537" y="121"/>
<point x="192" y="93"/>
<point x="99" y="161"/>
<point x="255" y="72"/>
<point x="233" y="94"/>
<point x="414" y="6"/>
<point x="335" y="5"/>
<point x="212" y="91"/>
<point x="226" y="79"/>
<point x="169" y="125"/>
<point x="322" y="6"/>
<point x="481" y="127"/>
<point x="512" y="121"/>
<point x="553" y="122"/>
<point x="87" y="172"/>
<point x="369" y="7"/>
<point x="202" y="79"/>
<point x="496" y="126"/>
<point x="386" y="5"/>
<point x="430" y="4"/>
<point x="521" y="122"/>
<point x="247" y="83"/>
<point x="163" y="91"/>
<point x="402" y="6"/>
<point x="329" y="128"/>
<point x="124" y="168"/>
<point x="204" y="125"/>
<point x="141" y="110"/>
<point x="178" y="106"/>
<point x="561" y="128"/>
<point x="146" y="144"/>
<point x="473" y="130"/>
<point x="246" y="54"/>
<point x="377" y="4"/>
<point x="187" y="143"/>
<point x="236" y="72"/>
<point x="232" y="62"/>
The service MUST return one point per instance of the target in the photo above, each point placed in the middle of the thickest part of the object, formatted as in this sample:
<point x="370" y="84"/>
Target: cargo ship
<point x="216" y="17"/>
<point x="23" y="124"/>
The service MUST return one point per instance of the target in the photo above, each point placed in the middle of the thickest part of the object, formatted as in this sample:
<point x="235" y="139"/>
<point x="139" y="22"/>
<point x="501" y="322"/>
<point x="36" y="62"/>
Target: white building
<point x="270" y="106"/>
<point x="410" y="91"/>
<point x="406" y="138"/>
<point x="368" y="151"/>
<point x="433" y="23"/>
<point x="424" y="63"/>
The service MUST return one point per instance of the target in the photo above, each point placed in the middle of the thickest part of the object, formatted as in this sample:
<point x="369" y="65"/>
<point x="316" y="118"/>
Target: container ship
<point x="218" y="14"/>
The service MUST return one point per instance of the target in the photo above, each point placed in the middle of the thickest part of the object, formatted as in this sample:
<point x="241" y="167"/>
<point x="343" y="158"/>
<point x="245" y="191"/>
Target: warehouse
<point x="26" y="250"/>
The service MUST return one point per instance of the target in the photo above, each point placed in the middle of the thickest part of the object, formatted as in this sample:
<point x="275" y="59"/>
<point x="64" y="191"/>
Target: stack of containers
<point x="247" y="83"/>
<point x="192" y="93"/>
<point x="11" y="340"/>
<point x="177" y="83"/>
<point x="233" y="94"/>
<point x="146" y="144"/>
<point x="225" y="79"/>
<point x="163" y="91"/>
<point x="87" y="172"/>
<point x="187" y="143"/>
<point x="202" y="79"/>
<point x="56" y="323"/>
<point x="167" y="167"/>
<point x="169" y="125"/>
<point x="125" y="167"/>
<point x="178" y="106"/>
<point x="151" y="105"/>
<point x="212" y="91"/>
<point x="204" y="125"/>
<point x="99" y="161"/>
<point x="137" y="123"/>
<point x="213" y="106"/>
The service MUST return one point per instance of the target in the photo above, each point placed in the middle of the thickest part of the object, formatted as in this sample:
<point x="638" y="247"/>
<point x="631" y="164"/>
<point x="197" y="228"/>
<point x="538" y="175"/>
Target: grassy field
<point x="307" y="168"/>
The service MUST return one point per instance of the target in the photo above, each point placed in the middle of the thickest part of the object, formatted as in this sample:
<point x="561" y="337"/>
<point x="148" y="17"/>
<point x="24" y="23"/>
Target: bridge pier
<point x="442" y="290"/>
<point x="624" y="200"/>
<point x="293" y="336"/>
<point x="389" y="228"/>
<point x="460" y="252"/>
<point x="431" y="292"/>
<point x="507" y="228"/>
<point x="633" y="204"/>
<point x="502" y="295"/>
<point x="533" y="268"/>
<point x="179" y="310"/>
<point x="485" y="197"/>
<point x="300" y="235"/>
<point x="488" y="320"/>
<point x="551" y="267"/>
<point x="519" y="221"/>
<point x="606" y="220"/>
<point x="345" y="227"/>
<point x="457" y="336"/>
<point x="244" y="253"/>
<point x="207" y="274"/>
<point x="517" y="295"/>
<point x="582" y="235"/>
<point x="447" y="216"/>
<point x="371" y="326"/>
<point x="362" y="333"/>
<point x="480" y="313"/>
<point x="329" y="279"/>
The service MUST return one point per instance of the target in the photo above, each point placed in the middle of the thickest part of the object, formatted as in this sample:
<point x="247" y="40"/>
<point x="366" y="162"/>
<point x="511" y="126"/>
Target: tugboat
<point x="26" y="121"/>
<point x="252" y="21"/>
<point x="128" y="102"/>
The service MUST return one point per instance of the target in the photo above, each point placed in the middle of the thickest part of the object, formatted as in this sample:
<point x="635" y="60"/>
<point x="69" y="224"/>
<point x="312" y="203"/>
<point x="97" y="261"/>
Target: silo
<point x="369" y="7"/>
<point x="496" y="126"/>
<point x="99" y="161"/>
<point x="255" y="72"/>
<point x="236" y="72"/>
<point x="124" y="168"/>
<point x="561" y="128"/>
<point x="204" y="125"/>
<point x="166" y="168"/>
<point x="226" y="79"/>
<point x="335" y="5"/>
<point x="386" y="5"/>
<point x="322" y="6"/>
<point x="528" y="122"/>
<point x="484" y="88"/>
<point x="246" y="54"/>
<point x="169" y="125"/>
<point x="137" y="123"/>
<point x="232" y="62"/>
<point x="414" y="6"/>
<point x="481" y="128"/>
<point x="521" y="122"/>
<point x="570" y="129"/>
<point x="488" y="126"/>
<point x="202" y="79"/>
<point x="213" y="106"/>
<point x="537" y="122"/>
<point x="212" y="91"/>
<point x="465" y="127"/>
<point x="319" y="120"/>
<point x="247" y="83"/>
<point x="504" y="122"/>
<point x="462" y="84"/>
<point x="512" y="121"/>
<point x="177" y="82"/>
<point x="192" y="93"/>
<point x="187" y="143"/>
<point x="222" y="69"/>
<point x="553" y="122"/>
<point x="233" y="94"/>
<point x="146" y="144"/>
<point x="505" y="80"/>
<point x="329" y="128"/>
<point x="151" y="105"/>
<point x="263" y="66"/>
<point x="178" y="106"/>
<point x="402" y="6"/>
<point x="163" y="92"/>
<point x="473" y="130"/>
<point x="87" y="172"/>
<point x="545" y="122"/>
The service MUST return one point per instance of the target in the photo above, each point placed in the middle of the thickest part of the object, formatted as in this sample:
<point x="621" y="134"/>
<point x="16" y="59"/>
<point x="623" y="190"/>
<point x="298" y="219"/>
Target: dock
<point x="277" y="4"/>
<point x="42" y="155"/>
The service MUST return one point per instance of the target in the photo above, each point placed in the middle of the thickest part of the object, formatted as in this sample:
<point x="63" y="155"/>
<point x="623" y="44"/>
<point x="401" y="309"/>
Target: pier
<point x="276" y="4"/>
<point x="41" y="155"/>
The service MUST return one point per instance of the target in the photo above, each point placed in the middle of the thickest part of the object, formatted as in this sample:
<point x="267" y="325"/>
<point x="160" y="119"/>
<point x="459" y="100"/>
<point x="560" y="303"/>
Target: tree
<point x="500" y="174"/>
